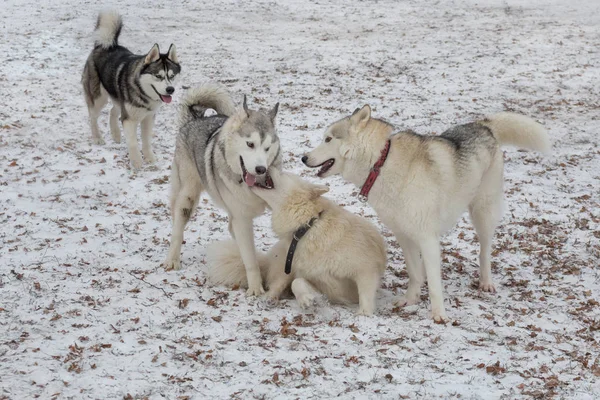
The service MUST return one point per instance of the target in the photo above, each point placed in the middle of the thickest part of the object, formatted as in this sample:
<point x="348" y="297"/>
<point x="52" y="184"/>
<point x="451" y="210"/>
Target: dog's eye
<point x="250" y="144"/>
<point x="328" y="139"/>
<point x="157" y="76"/>
<point x="267" y="149"/>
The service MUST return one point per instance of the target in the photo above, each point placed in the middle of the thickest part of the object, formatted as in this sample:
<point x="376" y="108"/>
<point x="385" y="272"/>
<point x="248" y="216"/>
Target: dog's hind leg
<point x="486" y="211"/>
<point x="185" y="192"/>
<point x="147" y="127"/>
<point x="95" y="97"/>
<point x="130" y="130"/>
<point x="367" y="284"/>
<point x="95" y="107"/>
<point x="115" y="130"/>
<point x="414" y="267"/>
<point x="244" y="237"/>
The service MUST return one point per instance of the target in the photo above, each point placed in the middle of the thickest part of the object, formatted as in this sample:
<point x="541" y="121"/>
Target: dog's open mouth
<point x="164" y="97"/>
<point x="251" y="180"/>
<point x="325" y="166"/>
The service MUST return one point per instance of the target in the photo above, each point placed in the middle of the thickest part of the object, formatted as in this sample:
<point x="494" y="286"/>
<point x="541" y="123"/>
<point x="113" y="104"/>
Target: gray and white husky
<point x="136" y="84"/>
<point x="427" y="182"/>
<point x="224" y="154"/>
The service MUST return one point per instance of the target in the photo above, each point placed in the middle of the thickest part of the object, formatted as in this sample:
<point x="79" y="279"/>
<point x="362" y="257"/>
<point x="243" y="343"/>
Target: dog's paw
<point x="171" y="265"/>
<point x="487" y="287"/>
<point x="440" y="318"/>
<point x="269" y="301"/>
<point x="256" y="290"/>
<point x="150" y="157"/>
<point x="405" y="301"/>
<point x="98" y="140"/>
<point x="310" y="301"/>
<point x="136" y="162"/>
<point x="117" y="137"/>
<point x="364" y="311"/>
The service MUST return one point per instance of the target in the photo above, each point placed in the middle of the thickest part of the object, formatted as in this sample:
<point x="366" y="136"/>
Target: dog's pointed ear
<point x="273" y="113"/>
<point x="153" y="54"/>
<point x="245" y="105"/>
<point x="318" y="190"/>
<point x="362" y="116"/>
<point x="172" y="54"/>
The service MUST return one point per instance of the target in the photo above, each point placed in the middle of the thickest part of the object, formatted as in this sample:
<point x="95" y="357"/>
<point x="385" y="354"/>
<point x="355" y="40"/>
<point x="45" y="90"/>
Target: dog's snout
<point x="260" y="170"/>
<point x="170" y="89"/>
<point x="304" y="159"/>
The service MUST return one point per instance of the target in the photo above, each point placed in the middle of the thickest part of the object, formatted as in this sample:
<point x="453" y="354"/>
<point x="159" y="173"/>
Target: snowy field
<point x="86" y="311"/>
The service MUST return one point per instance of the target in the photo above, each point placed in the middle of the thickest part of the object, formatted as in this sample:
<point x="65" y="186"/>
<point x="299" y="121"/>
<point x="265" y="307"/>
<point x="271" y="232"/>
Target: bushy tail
<point x="225" y="265"/>
<point x="206" y="96"/>
<point x="108" y="29"/>
<point x="518" y="130"/>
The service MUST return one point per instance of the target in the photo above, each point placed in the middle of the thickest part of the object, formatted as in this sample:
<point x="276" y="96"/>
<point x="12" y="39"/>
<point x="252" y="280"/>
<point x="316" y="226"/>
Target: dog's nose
<point x="170" y="89"/>
<point x="260" y="170"/>
<point x="305" y="159"/>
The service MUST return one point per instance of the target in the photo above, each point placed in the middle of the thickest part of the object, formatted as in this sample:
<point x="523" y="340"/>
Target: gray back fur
<point x="204" y="139"/>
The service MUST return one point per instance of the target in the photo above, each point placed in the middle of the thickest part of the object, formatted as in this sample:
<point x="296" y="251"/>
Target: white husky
<point x="340" y="255"/>
<point x="427" y="182"/>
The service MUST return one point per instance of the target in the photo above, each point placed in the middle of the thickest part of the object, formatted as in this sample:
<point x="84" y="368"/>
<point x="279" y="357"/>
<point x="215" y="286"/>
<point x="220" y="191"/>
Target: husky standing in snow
<point x="333" y="252"/>
<point x="136" y="84"/>
<point x="420" y="185"/>
<point x="226" y="155"/>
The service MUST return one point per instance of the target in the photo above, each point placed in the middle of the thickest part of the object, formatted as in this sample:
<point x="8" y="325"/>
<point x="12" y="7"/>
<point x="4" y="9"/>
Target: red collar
<point x="364" y="191"/>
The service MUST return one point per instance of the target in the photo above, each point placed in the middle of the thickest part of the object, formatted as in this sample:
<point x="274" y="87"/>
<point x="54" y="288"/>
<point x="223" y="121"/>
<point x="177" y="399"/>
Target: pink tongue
<point x="250" y="179"/>
<point x="166" y="99"/>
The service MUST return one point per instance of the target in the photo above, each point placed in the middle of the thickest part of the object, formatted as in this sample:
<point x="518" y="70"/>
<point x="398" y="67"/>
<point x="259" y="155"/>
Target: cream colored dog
<point x="341" y="256"/>
<point x="427" y="182"/>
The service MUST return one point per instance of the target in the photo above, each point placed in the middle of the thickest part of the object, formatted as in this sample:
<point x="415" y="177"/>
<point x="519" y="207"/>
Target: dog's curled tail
<point x="518" y="130"/>
<point x="206" y="96"/>
<point x="225" y="265"/>
<point x="108" y="29"/>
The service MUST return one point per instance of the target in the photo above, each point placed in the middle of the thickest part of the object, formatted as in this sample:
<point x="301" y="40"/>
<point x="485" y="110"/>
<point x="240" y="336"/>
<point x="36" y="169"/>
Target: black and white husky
<point x="136" y="84"/>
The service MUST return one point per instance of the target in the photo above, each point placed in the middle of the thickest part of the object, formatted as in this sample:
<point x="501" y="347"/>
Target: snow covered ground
<point x="87" y="312"/>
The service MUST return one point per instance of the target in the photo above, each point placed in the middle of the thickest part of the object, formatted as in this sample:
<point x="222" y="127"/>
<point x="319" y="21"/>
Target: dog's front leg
<point x="414" y="267"/>
<point x="367" y="285"/>
<point x="244" y="237"/>
<point x="277" y="286"/>
<point x="147" y="132"/>
<point x="430" y="250"/>
<point x="115" y="131"/>
<point x="305" y="293"/>
<point x="130" y="129"/>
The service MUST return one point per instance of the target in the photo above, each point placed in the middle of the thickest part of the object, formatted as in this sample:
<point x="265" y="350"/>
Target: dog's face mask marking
<point x="160" y="73"/>
<point x="258" y="146"/>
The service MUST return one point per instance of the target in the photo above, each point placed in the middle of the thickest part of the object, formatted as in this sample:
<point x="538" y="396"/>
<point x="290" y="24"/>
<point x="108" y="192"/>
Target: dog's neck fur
<point x="370" y="141"/>
<point x="296" y="210"/>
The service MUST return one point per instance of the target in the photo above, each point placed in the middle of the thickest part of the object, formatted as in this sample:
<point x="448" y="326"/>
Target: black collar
<point x="300" y="232"/>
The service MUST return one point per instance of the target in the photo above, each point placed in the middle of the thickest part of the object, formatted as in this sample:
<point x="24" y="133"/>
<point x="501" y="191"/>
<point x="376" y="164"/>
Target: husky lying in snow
<point x="227" y="155"/>
<point x="339" y="255"/>
<point x="422" y="184"/>
<point x="136" y="84"/>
